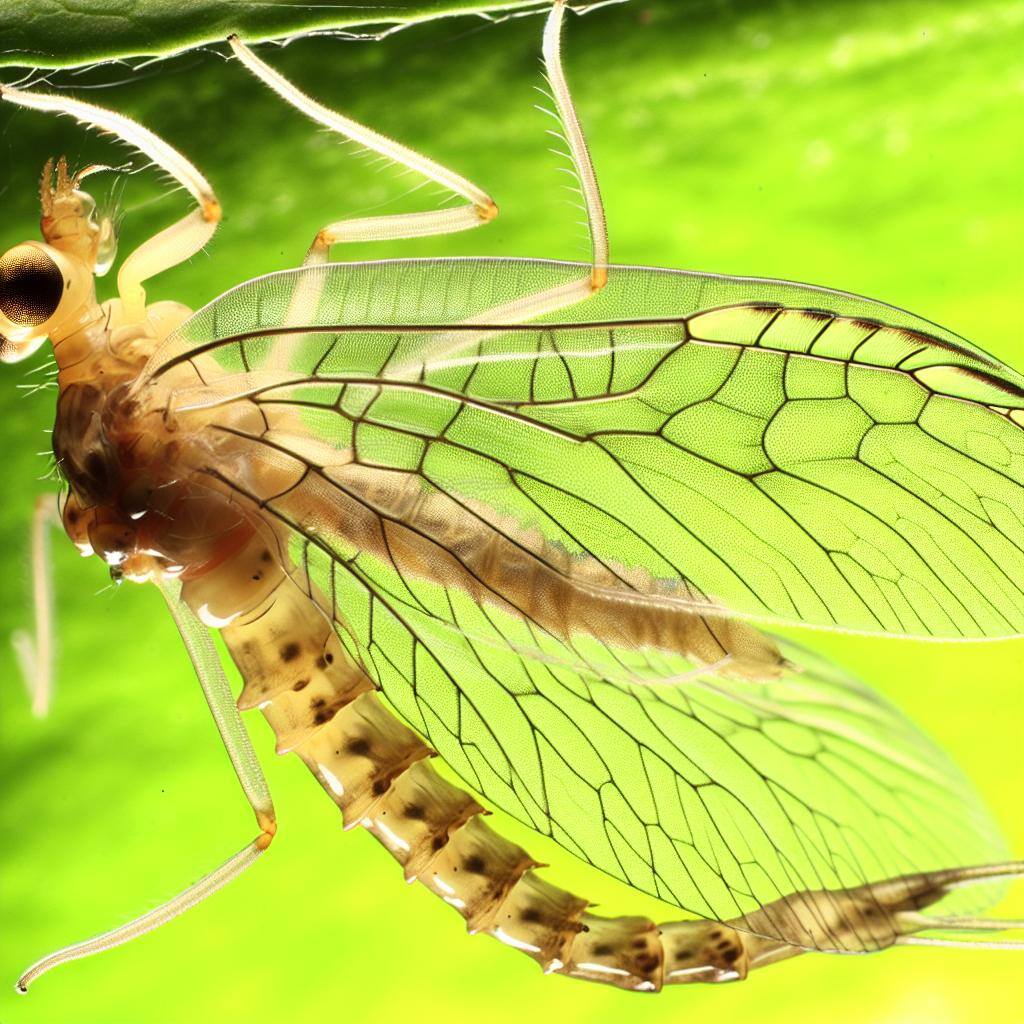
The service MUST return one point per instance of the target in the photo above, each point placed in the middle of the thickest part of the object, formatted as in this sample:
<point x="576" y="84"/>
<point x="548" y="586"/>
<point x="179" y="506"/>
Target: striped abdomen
<point x="325" y="709"/>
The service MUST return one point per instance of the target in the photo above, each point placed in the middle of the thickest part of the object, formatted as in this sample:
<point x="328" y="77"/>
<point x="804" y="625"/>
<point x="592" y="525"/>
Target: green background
<point x="875" y="147"/>
<point x="50" y="33"/>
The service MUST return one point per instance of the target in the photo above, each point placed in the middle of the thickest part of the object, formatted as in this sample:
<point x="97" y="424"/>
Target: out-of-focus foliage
<point x="873" y="146"/>
<point x="54" y="34"/>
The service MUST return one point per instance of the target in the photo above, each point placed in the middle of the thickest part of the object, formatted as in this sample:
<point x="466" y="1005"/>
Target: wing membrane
<point x="715" y="793"/>
<point x="797" y="455"/>
<point x="541" y="541"/>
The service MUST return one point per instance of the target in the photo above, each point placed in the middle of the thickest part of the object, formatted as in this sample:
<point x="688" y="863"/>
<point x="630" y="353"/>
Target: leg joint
<point x="268" y="829"/>
<point x="487" y="212"/>
<point x="212" y="211"/>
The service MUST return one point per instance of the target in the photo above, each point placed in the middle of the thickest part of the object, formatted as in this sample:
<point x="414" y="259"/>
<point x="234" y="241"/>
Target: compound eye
<point x="31" y="286"/>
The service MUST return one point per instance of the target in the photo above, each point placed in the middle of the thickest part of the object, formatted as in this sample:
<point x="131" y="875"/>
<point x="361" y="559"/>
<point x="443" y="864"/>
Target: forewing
<point x="714" y="793"/>
<point x="429" y="478"/>
<point x="769" y="450"/>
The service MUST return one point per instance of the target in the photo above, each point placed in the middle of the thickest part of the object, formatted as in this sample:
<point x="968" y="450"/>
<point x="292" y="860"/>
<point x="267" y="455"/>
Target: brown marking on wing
<point x="430" y="536"/>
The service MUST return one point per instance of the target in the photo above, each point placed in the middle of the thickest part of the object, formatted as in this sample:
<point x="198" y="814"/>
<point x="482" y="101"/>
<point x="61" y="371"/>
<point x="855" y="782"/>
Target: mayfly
<point x="537" y="518"/>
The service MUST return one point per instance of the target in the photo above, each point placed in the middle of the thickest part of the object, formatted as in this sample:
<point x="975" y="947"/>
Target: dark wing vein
<point x="793" y="464"/>
<point x="762" y="450"/>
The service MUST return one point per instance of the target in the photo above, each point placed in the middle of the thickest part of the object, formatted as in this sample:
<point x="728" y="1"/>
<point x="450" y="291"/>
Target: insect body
<point x="485" y="491"/>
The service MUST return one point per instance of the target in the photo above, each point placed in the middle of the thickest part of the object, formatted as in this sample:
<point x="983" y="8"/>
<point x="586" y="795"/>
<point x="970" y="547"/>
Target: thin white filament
<point x="924" y="940"/>
<point x="148" y="922"/>
<point x="964" y="924"/>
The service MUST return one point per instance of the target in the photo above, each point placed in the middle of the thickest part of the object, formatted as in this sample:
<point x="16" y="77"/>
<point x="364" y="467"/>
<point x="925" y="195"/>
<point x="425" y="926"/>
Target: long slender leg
<point x="35" y="650"/>
<point x="529" y="307"/>
<point x="174" y="244"/>
<point x="479" y="209"/>
<point x="243" y="758"/>
<point x="218" y="695"/>
<point x="598" y="226"/>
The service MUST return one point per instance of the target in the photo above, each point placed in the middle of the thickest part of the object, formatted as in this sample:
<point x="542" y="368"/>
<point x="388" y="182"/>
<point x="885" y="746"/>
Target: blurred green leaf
<point x="871" y="145"/>
<point x="57" y="33"/>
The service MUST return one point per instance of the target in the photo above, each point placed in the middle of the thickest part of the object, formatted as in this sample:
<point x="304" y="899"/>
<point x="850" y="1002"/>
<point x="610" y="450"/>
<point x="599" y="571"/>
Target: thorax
<point x="134" y="498"/>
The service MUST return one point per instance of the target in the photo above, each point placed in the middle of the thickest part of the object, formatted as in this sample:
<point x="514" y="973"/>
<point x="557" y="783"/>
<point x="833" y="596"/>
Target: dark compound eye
<point x="31" y="285"/>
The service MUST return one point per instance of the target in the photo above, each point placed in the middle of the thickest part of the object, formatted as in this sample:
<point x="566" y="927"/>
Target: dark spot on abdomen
<point x="648" y="963"/>
<point x="475" y="864"/>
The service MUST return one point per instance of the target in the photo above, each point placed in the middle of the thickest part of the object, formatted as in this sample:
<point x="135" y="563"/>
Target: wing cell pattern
<point x="710" y="792"/>
<point x="750" y="450"/>
<point x="788" y="463"/>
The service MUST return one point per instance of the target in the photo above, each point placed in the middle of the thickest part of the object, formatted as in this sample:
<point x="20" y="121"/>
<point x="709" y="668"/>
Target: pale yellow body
<point x="146" y="496"/>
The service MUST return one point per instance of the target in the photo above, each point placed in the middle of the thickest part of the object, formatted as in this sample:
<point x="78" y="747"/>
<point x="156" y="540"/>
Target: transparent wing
<point x="540" y="543"/>
<point x="754" y="448"/>
<point x="716" y="793"/>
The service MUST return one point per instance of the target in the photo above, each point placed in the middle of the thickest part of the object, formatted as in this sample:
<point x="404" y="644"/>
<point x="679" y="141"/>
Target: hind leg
<point x="35" y="650"/>
<point x="215" y="686"/>
<point x="442" y="346"/>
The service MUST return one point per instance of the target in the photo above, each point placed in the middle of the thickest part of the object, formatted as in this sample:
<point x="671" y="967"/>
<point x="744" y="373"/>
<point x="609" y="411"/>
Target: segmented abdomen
<point x="325" y="709"/>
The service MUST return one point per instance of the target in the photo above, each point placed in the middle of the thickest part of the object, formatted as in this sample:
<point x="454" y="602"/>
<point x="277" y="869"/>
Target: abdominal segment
<point x="325" y="709"/>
